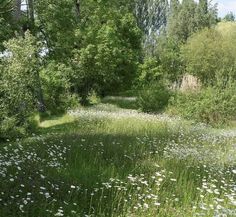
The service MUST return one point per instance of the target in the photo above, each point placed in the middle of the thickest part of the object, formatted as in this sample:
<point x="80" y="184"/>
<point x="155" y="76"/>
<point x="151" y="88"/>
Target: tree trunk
<point x="39" y="95"/>
<point x="31" y="11"/>
<point x="78" y="7"/>
<point x="17" y="10"/>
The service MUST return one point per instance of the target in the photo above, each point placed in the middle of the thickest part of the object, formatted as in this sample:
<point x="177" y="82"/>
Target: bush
<point x="212" y="105"/>
<point x="15" y="126"/>
<point x="56" y="87"/>
<point x="18" y="86"/>
<point x="211" y="54"/>
<point x="154" y="98"/>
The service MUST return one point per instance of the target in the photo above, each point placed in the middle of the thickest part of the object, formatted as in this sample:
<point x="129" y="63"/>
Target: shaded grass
<point x="98" y="149"/>
<point x="122" y="102"/>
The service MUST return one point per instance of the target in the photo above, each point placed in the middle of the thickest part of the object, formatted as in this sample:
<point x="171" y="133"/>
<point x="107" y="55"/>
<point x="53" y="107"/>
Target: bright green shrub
<point x="149" y="71"/>
<point x="56" y="87"/>
<point x="154" y="98"/>
<point x="212" y="105"/>
<point x="18" y="86"/>
<point x="165" y="64"/>
<point x="211" y="54"/>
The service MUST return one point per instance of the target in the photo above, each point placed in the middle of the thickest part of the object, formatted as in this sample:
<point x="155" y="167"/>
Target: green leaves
<point x="57" y="21"/>
<point x="210" y="54"/>
<point x="55" y="80"/>
<point x="189" y="17"/>
<point x="6" y="6"/>
<point x="110" y="42"/>
<point x="18" y="83"/>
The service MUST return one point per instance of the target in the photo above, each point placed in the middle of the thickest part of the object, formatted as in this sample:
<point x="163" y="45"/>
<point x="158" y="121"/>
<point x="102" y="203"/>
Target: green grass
<point x="108" y="161"/>
<point x="122" y="102"/>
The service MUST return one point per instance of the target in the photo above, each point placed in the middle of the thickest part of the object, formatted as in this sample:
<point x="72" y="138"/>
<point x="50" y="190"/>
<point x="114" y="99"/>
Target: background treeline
<point x="55" y="54"/>
<point x="191" y="71"/>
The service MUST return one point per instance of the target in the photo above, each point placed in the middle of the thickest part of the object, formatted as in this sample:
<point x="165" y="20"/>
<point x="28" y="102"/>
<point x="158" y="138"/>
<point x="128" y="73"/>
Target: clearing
<point x="107" y="160"/>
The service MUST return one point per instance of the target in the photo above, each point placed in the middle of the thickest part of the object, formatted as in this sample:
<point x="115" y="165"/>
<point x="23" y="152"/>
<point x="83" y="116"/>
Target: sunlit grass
<point x="56" y="121"/>
<point x="107" y="161"/>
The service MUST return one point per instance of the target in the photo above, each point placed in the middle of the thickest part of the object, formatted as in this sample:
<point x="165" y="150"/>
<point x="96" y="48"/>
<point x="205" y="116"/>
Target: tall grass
<point x="106" y="161"/>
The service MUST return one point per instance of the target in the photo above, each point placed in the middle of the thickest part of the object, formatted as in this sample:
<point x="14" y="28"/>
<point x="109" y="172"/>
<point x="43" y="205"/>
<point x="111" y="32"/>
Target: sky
<point x="225" y="6"/>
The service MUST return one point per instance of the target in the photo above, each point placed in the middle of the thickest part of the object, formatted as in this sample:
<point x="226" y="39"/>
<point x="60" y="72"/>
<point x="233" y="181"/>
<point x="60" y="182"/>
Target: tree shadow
<point x="121" y="102"/>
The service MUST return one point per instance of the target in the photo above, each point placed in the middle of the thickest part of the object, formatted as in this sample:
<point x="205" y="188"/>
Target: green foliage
<point x="211" y="54"/>
<point x="56" y="86"/>
<point x="165" y="64"/>
<point x="212" y="105"/>
<point x="6" y="29"/>
<point x="149" y="71"/>
<point x="18" y="85"/>
<point x="152" y="18"/>
<point x="151" y="15"/>
<point x="154" y="98"/>
<point x="168" y="54"/>
<point x="110" y="50"/>
<point x="57" y="21"/>
<point x="188" y="17"/>
<point x="184" y="19"/>
<point x="230" y="17"/>
<point x="205" y="15"/>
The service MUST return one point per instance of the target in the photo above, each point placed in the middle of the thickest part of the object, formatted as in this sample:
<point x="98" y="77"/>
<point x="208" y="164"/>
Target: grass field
<point x="111" y="161"/>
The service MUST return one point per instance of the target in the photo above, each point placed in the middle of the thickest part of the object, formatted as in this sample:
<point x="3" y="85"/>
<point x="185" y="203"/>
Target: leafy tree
<point x="19" y="84"/>
<point x="206" y="14"/>
<point x="189" y="17"/>
<point x="6" y="6"/>
<point x="211" y="54"/>
<point x="168" y="54"/>
<point x="6" y="29"/>
<point x="166" y="64"/>
<point x="150" y="72"/>
<point x="229" y="17"/>
<point x="110" y="43"/>
<point x="152" y="19"/>
<point x="17" y="11"/>
<point x="55" y="79"/>
<point x="56" y="22"/>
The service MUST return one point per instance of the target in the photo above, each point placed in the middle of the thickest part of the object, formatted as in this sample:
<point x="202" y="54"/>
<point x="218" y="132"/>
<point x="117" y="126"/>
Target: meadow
<point x="110" y="160"/>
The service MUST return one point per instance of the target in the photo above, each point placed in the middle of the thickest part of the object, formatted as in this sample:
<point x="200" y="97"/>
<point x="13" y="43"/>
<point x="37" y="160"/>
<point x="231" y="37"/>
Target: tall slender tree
<point x="31" y="11"/>
<point x="17" y="10"/>
<point x="203" y="5"/>
<point x="152" y="18"/>
<point x="189" y="17"/>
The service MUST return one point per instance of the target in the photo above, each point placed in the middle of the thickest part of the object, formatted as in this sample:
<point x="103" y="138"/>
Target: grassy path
<point x="107" y="160"/>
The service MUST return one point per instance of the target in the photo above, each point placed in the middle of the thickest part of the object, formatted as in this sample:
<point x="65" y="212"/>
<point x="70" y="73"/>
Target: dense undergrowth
<point x="214" y="106"/>
<point x="108" y="161"/>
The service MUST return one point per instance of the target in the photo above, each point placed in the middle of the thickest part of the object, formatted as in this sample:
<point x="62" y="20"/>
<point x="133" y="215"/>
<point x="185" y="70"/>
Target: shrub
<point x="56" y="87"/>
<point x="154" y="98"/>
<point x="18" y="86"/>
<point x="211" y="54"/>
<point x="211" y="105"/>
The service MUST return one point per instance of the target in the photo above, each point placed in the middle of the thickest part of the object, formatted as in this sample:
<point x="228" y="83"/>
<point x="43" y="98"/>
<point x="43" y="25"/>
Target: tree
<point x="6" y="28"/>
<point x="211" y="54"/>
<point x="229" y="17"/>
<point x="56" y="23"/>
<point x="110" y="44"/>
<point x="6" y="6"/>
<point x="152" y="18"/>
<point x="189" y="17"/>
<point x="55" y="80"/>
<point x="20" y="90"/>
<point x="17" y="11"/>
<point x="172" y="17"/>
